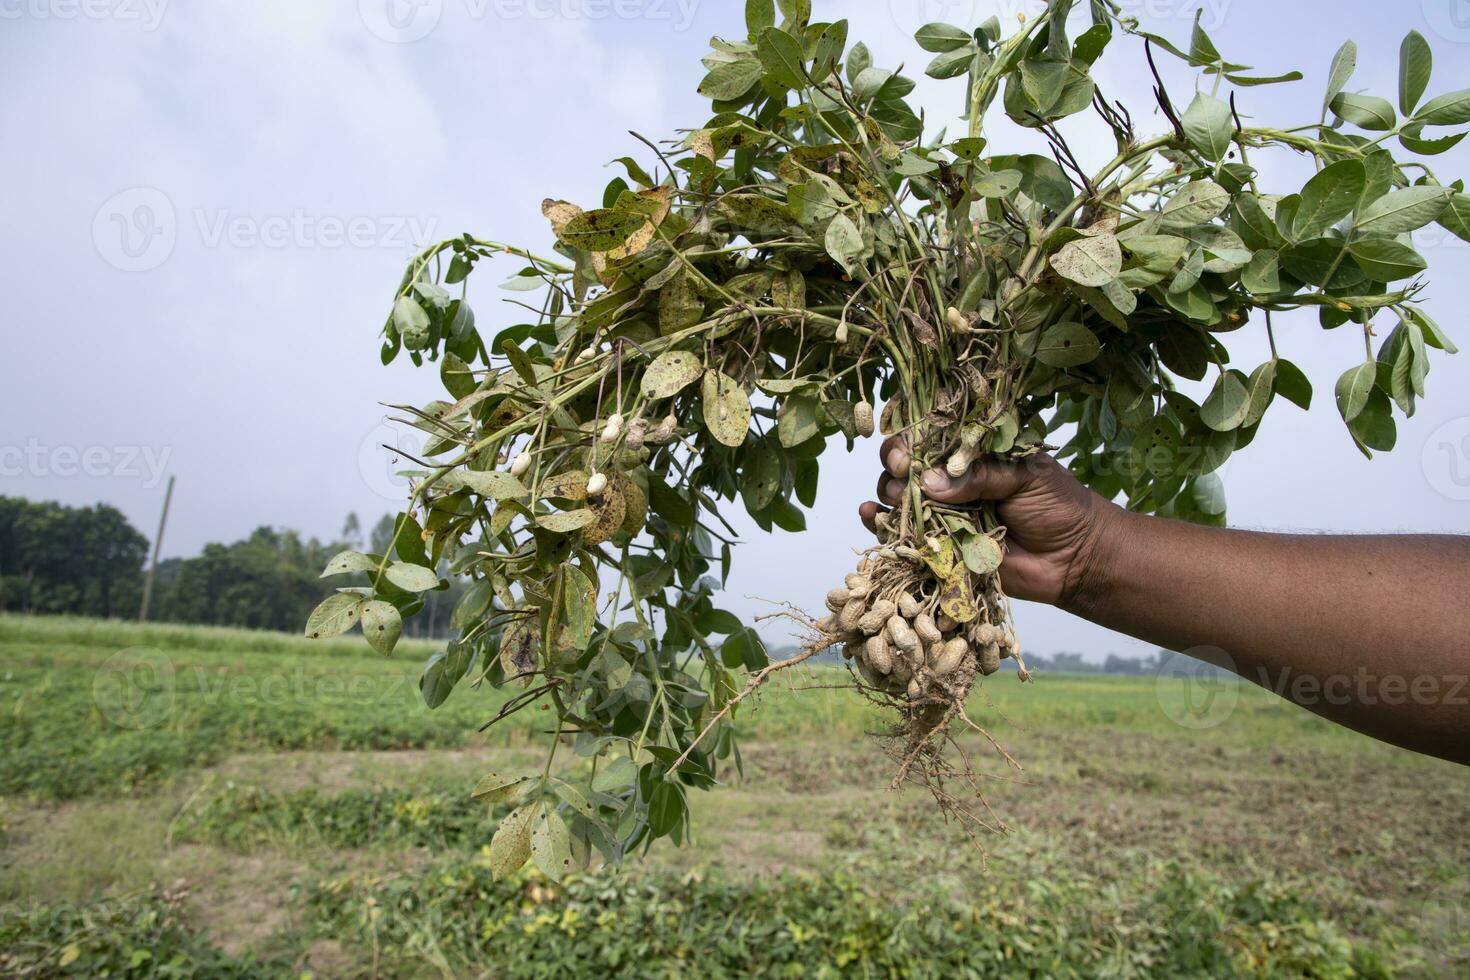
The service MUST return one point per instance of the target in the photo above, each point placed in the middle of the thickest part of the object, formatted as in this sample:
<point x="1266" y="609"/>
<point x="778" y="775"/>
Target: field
<point x="279" y="808"/>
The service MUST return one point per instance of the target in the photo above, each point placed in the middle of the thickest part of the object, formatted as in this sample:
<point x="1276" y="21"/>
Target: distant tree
<point x="57" y="559"/>
<point x="382" y="537"/>
<point x="351" y="536"/>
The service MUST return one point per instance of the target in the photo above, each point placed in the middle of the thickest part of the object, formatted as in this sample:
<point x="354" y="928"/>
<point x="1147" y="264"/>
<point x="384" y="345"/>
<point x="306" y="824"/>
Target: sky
<point x="206" y="208"/>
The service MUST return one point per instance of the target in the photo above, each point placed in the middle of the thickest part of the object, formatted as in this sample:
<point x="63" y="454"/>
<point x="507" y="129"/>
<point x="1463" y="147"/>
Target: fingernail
<point x="935" y="481"/>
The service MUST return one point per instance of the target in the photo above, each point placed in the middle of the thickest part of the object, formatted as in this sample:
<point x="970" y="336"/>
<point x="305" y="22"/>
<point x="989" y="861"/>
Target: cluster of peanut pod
<point x="890" y="626"/>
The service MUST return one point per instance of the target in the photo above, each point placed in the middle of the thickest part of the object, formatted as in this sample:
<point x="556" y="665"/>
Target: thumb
<point x="985" y="480"/>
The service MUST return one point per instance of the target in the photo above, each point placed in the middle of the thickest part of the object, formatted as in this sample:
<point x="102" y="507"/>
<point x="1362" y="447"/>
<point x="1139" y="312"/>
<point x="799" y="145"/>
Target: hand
<point x="1054" y="525"/>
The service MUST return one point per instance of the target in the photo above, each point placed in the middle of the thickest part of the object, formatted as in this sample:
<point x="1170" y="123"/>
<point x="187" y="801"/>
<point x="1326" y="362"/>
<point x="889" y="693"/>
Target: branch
<point x="807" y="652"/>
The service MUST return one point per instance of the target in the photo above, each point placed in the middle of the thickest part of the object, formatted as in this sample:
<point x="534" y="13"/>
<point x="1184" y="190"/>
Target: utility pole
<point x="157" y="546"/>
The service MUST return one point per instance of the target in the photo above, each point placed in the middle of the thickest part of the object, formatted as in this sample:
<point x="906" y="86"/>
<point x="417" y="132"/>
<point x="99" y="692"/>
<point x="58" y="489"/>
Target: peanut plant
<point x="811" y="252"/>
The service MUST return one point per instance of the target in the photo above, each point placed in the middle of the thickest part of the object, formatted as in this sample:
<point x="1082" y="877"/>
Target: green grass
<point x="270" y="806"/>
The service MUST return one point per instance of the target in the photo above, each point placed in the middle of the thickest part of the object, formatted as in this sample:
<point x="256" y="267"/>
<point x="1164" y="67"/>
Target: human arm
<point x="1375" y="623"/>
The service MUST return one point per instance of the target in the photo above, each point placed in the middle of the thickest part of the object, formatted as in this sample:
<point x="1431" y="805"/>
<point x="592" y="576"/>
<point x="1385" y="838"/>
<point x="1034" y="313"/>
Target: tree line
<point x="90" y="561"/>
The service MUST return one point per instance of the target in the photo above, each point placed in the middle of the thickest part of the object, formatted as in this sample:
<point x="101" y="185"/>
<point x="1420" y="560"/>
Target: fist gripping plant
<point x="813" y="249"/>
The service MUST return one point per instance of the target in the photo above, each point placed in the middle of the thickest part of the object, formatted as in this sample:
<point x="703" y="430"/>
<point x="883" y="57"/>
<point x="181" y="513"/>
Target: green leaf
<point x="830" y="45"/>
<point x="759" y="15"/>
<point x="845" y="243"/>
<point x="1250" y="80"/>
<point x="349" y="561"/>
<point x="1292" y="384"/>
<point x="1260" y="389"/>
<point x="1226" y="407"/>
<point x="1343" y="65"/>
<point x="579" y="601"/>
<point x="1405" y="210"/>
<point x="941" y="37"/>
<point x="1090" y="43"/>
<point x="336" y="615"/>
<point x="1067" y="344"/>
<point x="859" y="60"/>
<point x="1429" y="148"/>
<point x="1262" y="275"/>
<point x="670" y="373"/>
<point x="1373" y="427"/>
<point x="1450" y="109"/>
<point x="950" y="64"/>
<point x="726" y="408"/>
<point x="457" y="376"/>
<point x="1415" y="63"/>
<point x="798" y="420"/>
<point x="997" y="183"/>
<point x="444" y="670"/>
<point x="497" y="787"/>
<point x="565" y="522"/>
<point x="511" y="845"/>
<point x="1209" y="494"/>
<point x="981" y="554"/>
<point x="1184" y="352"/>
<point x="409" y="317"/>
<point x="760" y="477"/>
<point x="1434" y="336"/>
<point x="781" y="55"/>
<point x="602" y="230"/>
<point x="1328" y="197"/>
<point x="1366" y="111"/>
<point x="551" y="845"/>
<point x="1353" y="389"/>
<point x="412" y="578"/>
<point x="1091" y="261"/>
<point x="495" y="484"/>
<point x="798" y="13"/>
<point x="881" y="85"/>
<point x="1386" y="259"/>
<point x="1196" y="203"/>
<point x="730" y="79"/>
<point x="1209" y="124"/>
<point x="382" y="625"/>
<point x="1455" y="218"/>
<point x="1201" y="49"/>
<point x="744" y="648"/>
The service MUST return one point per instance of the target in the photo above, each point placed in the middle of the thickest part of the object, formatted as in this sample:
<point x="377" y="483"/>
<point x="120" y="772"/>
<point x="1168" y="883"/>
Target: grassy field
<point x="279" y="808"/>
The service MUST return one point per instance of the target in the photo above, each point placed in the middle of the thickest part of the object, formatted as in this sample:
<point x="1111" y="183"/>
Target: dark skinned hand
<point x="1052" y="521"/>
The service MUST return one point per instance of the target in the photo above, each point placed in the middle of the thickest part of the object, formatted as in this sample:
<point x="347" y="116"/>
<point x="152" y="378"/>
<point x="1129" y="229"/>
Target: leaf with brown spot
<point x="610" y="508"/>
<point x="954" y="599"/>
<point x="518" y="648"/>
<point x="726" y="409"/>
<point x="635" y="514"/>
<point x="511" y="845"/>
<point x="551" y="845"/>
<point x="567" y="485"/>
<point x="565" y="522"/>
<point x="559" y="213"/>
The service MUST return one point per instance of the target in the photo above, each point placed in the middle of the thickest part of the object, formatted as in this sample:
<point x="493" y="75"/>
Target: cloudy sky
<point x="207" y="206"/>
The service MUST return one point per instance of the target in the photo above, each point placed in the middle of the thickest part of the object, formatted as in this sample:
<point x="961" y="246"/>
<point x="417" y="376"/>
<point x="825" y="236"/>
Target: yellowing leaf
<point x="1091" y="261"/>
<point x="670" y="373"/>
<point x="511" y="845"/>
<point x="726" y="408"/>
